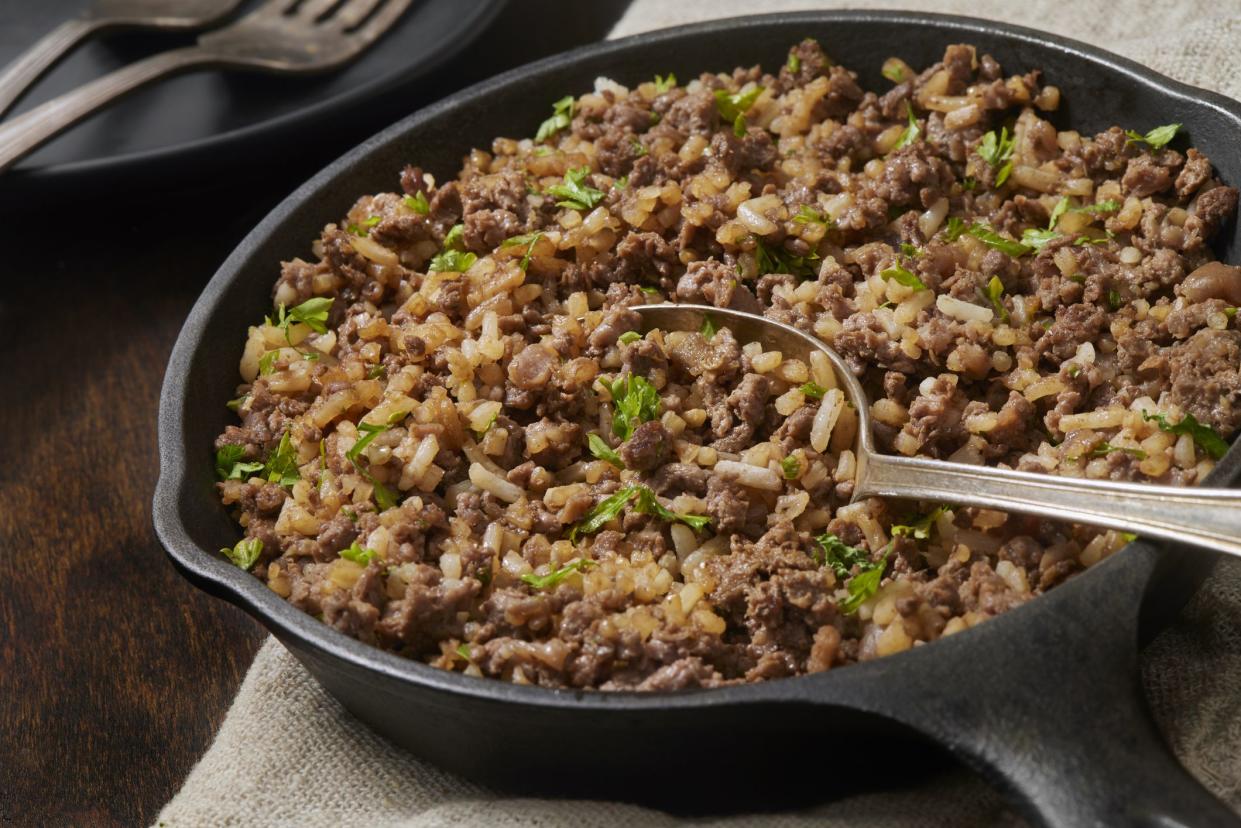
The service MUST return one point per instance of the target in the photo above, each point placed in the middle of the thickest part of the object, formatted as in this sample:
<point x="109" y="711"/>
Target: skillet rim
<point x="220" y="578"/>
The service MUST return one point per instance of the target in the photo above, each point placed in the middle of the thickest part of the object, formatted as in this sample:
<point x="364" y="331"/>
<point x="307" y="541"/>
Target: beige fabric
<point x="289" y="755"/>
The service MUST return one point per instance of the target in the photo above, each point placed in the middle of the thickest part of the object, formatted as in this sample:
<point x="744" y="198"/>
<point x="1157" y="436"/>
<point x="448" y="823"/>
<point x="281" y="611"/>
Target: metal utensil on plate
<point x="1204" y="517"/>
<point x="184" y="15"/>
<point x="281" y="36"/>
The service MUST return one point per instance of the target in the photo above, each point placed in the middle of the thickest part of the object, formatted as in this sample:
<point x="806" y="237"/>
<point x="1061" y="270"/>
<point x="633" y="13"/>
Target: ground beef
<point x="505" y="472"/>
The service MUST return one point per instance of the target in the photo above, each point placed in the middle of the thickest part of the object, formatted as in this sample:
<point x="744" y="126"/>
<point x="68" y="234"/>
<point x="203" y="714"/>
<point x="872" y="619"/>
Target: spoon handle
<point x="1209" y="518"/>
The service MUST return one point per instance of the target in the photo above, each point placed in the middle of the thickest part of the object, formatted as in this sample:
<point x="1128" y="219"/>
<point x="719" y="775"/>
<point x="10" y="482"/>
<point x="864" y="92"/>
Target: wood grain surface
<point x="115" y="672"/>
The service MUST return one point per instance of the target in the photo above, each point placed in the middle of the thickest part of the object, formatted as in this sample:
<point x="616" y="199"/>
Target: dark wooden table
<point x="114" y="672"/>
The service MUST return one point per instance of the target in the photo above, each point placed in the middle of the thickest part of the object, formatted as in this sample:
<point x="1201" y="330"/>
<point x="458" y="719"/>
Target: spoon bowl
<point x="1205" y="517"/>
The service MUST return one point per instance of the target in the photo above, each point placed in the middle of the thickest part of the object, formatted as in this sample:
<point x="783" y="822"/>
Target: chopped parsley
<point x="463" y="650"/>
<point x="1203" y="435"/>
<point x="1082" y="241"/>
<point x="954" y="228"/>
<point x="556" y="576"/>
<point x="993" y="239"/>
<point x="912" y="131"/>
<point x="562" y="114"/>
<point x="840" y="556"/>
<point x="611" y="506"/>
<point x="418" y="203"/>
<point x="574" y="193"/>
<point x="863" y="586"/>
<point x="634" y="401"/>
<point x="629" y="337"/>
<point x="709" y="327"/>
<point x="921" y="528"/>
<point x="235" y="405"/>
<point x="664" y="84"/>
<point x="375" y="372"/>
<point x="229" y="466"/>
<point x="1037" y="238"/>
<point x="893" y="72"/>
<point x="813" y="390"/>
<point x="1104" y="449"/>
<point x="732" y="106"/>
<point x="1108" y="206"/>
<point x="1157" y="138"/>
<point x="1114" y="300"/>
<point x="281" y="466"/>
<point x="809" y="215"/>
<point x="245" y="553"/>
<point x="599" y="448"/>
<point x="791" y="467"/>
<point x="793" y="63"/>
<point x="621" y="183"/>
<point x="528" y="239"/>
<point x="910" y="250"/>
<point x="384" y="496"/>
<point x="1059" y="210"/>
<point x="775" y="259"/>
<point x="902" y="276"/>
<point x="995" y="293"/>
<point x="639" y="149"/>
<point x="359" y="555"/>
<point x="997" y="150"/>
<point x="453" y="258"/>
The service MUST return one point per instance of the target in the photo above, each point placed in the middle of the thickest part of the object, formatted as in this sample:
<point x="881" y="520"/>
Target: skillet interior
<point x="1011" y="696"/>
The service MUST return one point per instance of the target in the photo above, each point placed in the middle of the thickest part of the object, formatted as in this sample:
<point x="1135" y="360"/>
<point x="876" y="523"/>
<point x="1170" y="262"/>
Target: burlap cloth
<point x="288" y="754"/>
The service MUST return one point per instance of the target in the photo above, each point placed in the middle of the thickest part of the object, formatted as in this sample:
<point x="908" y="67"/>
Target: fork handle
<point x="1209" y="518"/>
<point x="31" y="129"/>
<point x="30" y="65"/>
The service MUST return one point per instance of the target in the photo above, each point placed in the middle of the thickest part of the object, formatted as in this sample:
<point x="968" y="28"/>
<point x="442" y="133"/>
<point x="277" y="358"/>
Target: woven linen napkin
<point x="288" y="754"/>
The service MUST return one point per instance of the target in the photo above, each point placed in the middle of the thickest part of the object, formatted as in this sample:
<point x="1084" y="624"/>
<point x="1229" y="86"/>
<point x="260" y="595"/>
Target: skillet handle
<point x="1047" y="704"/>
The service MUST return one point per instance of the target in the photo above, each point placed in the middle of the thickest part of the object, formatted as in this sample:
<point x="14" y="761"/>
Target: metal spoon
<point x="1210" y="518"/>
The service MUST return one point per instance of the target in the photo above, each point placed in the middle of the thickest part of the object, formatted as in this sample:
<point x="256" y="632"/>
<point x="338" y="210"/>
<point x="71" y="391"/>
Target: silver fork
<point x="105" y="14"/>
<point x="281" y="36"/>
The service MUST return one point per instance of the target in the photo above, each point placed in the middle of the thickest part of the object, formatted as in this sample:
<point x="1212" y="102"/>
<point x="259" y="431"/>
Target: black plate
<point x="1044" y="701"/>
<point x="206" y="121"/>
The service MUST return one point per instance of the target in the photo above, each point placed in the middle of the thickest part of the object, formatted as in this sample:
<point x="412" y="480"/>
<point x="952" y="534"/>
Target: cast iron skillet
<point x="1043" y="701"/>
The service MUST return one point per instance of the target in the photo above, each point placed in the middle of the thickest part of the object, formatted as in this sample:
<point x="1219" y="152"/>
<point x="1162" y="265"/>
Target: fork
<point x="280" y="36"/>
<point x="105" y="14"/>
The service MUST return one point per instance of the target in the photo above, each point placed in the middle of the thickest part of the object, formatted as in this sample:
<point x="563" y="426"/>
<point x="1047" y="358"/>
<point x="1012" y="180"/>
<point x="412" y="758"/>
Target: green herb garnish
<point x="902" y="276"/>
<point x="912" y="131"/>
<point x="791" y="467"/>
<point x="813" y="390"/>
<point x="997" y="150"/>
<point x="463" y="650"/>
<point x="384" y="496"/>
<point x="921" y="528"/>
<point x="793" y="63"/>
<point x="245" y="553"/>
<point x="1157" y="138"/>
<point x="732" y="106"/>
<point x="863" y="586"/>
<point x="993" y="239"/>
<point x="375" y="372"/>
<point x="418" y="203"/>
<point x="634" y="401"/>
<point x="453" y="258"/>
<point x="775" y="259"/>
<point x="995" y="292"/>
<point x="1104" y="449"/>
<point x="599" y="448"/>
<point x="954" y="228"/>
<point x="628" y="337"/>
<point x="229" y="466"/>
<point x="709" y="327"/>
<point x="663" y="84"/>
<point x="235" y="405"/>
<point x="1203" y="435"/>
<point x="359" y="555"/>
<point x="1114" y="300"/>
<point x="528" y="239"/>
<point x="574" y="193"/>
<point x="562" y="114"/>
<point x="1108" y="206"/>
<point x="893" y="72"/>
<point x="611" y="506"/>
<point x="555" y="577"/>
<point x="840" y="556"/>
<point x="281" y="466"/>
<point x="809" y="215"/>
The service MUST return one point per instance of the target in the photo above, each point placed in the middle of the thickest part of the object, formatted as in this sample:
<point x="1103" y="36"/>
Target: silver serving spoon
<point x="1204" y="517"/>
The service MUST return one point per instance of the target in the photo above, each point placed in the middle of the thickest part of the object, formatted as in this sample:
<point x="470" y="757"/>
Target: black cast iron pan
<point x="1043" y="701"/>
